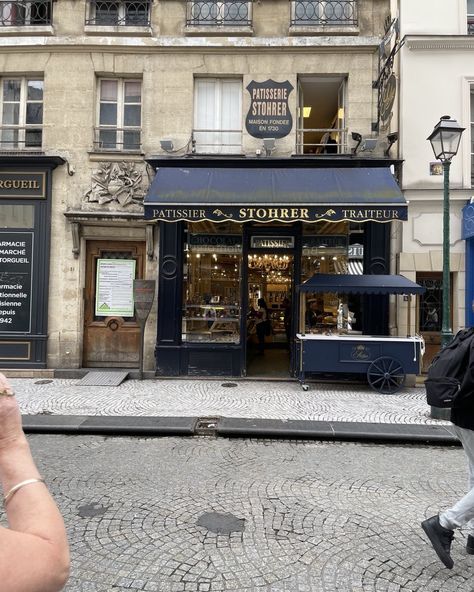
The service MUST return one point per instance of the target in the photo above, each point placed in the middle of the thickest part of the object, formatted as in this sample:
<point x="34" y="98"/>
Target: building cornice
<point x="439" y="42"/>
<point x="110" y="44"/>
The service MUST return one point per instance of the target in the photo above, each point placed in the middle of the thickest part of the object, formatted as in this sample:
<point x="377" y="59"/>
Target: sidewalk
<point x="228" y="407"/>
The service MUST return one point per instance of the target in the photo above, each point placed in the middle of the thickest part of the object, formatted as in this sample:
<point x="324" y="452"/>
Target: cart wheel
<point x="386" y="375"/>
<point x="305" y="387"/>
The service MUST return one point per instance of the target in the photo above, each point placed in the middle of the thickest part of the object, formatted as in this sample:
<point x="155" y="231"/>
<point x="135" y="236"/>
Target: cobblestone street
<point x="203" y="514"/>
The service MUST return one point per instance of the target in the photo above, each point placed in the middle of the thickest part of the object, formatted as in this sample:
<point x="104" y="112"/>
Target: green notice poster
<point x="114" y="287"/>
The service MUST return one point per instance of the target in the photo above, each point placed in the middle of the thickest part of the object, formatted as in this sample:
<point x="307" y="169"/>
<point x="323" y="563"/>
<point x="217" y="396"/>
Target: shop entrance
<point x="111" y="332"/>
<point x="270" y="281"/>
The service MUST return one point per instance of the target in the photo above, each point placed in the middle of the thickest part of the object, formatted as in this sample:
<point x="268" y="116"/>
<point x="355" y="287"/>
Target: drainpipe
<point x="395" y="249"/>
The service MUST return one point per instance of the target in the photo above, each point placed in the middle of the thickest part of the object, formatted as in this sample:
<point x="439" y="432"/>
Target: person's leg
<point x="462" y="513"/>
<point x="261" y="337"/>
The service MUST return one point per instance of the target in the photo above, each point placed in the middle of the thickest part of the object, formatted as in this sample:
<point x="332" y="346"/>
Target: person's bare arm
<point x="34" y="555"/>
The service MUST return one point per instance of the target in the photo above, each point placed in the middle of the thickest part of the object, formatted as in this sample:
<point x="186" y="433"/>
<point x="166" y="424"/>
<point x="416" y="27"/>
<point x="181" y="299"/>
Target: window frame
<point x="219" y="20"/>
<point x="22" y="127"/>
<point x="119" y="127"/>
<point x="25" y="20"/>
<point x="217" y="147"/>
<point x="323" y="22"/>
<point x="122" y="14"/>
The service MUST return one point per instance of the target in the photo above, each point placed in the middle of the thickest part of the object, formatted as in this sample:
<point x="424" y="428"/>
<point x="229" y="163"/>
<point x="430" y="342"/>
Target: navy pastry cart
<point x="386" y="360"/>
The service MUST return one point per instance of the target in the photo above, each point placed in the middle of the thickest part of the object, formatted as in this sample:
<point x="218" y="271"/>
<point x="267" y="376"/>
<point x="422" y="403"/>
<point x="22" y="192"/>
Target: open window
<point x="321" y="115"/>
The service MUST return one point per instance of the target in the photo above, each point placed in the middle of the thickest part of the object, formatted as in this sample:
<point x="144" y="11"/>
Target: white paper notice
<point x="114" y="287"/>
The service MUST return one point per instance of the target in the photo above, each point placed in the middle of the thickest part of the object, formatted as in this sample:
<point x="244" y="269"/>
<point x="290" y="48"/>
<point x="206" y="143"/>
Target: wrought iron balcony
<point x="117" y="139"/>
<point x="327" y="13"/>
<point x="23" y="13"/>
<point x="215" y="13"/>
<point x="119" y="13"/>
<point x="15" y="137"/>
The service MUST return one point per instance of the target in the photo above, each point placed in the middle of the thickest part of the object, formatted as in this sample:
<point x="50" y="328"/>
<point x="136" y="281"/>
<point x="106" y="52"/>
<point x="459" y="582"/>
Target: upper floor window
<point x="119" y="115"/>
<point x="470" y="17"/>
<point x="217" y="115"/>
<point x="321" y="124"/>
<point x="21" y="13"/>
<point x="21" y="113"/>
<point x="119" y="13"/>
<point x="233" y="13"/>
<point x="333" y="13"/>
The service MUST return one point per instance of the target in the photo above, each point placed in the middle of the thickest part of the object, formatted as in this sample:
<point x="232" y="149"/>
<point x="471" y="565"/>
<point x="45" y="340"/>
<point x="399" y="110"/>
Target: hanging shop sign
<point x="269" y="113"/>
<point x="272" y="242"/>
<point x="114" y="287"/>
<point x="22" y="185"/>
<point x="277" y="214"/>
<point x="16" y="264"/>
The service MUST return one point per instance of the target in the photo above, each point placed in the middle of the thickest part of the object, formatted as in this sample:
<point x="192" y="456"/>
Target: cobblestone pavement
<point x="204" y="398"/>
<point x="201" y="514"/>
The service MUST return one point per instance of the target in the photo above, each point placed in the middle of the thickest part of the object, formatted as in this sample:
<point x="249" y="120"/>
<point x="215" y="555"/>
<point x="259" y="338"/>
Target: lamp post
<point x="445" y="139"/>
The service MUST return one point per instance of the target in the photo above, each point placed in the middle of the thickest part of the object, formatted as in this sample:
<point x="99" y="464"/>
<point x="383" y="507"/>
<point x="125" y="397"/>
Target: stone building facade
<point x="96" y="93"/>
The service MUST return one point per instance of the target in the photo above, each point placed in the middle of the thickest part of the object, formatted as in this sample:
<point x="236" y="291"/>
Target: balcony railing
<point x="14" y="137"/>
<point x="20" y="13"/>
<point x="221" y="141"/>
<point x="117" y="139"/>
<point x="212" y="13"/>
<point x="124" y="13"/>
<point x="327" y="13"/>
<point x="331" y="141"/>
<point x="470" y="24"/>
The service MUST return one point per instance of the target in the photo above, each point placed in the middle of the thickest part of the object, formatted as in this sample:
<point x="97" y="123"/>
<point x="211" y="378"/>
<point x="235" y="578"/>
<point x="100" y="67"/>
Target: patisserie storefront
<point x="233" y="231"/>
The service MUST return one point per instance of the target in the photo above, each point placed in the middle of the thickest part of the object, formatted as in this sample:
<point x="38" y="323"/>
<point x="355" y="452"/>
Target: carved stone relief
<point x="118" y="183"/>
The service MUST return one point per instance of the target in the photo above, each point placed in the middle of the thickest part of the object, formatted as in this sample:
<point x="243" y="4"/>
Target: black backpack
<point x="447" y="370"/>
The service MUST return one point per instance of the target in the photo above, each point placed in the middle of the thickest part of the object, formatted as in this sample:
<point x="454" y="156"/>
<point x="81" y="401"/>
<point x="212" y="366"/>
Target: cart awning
<point x="239" y="194"/>
<point x="361" y="284"/>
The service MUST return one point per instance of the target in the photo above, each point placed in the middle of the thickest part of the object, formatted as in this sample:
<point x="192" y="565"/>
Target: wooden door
<point x="111" y="339"/>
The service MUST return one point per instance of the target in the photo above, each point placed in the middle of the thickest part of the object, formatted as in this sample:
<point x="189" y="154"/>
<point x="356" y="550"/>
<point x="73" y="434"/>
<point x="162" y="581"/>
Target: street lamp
<point x="445" y="139"/>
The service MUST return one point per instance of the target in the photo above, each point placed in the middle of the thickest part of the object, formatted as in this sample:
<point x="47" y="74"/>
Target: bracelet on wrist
<point x="18" y="486"/>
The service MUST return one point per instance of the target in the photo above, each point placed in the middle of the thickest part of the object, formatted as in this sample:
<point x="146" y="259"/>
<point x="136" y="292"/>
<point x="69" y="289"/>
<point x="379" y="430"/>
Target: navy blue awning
<point x="240" y="194"/>
<point x="360" y="284"/>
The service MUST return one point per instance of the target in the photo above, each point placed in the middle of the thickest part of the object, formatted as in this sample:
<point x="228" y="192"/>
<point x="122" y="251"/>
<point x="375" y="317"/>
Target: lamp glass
<point x="445" y="139"/>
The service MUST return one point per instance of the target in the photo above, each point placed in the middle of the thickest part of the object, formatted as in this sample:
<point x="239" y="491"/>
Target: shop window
<point x="217" y="115"/>
<point x="21" y="13"/>
<point x="331" y="250"/>
<point x="119" y="115"/>
<point x="338" y="13"/>
<point x="321" y="127"/>
<point x="232" y="13"/>
<point x="119" y="13"/>
<point x="211" y="284"/>
<point x="16" y="216"/>
<point x="21" y="114"/>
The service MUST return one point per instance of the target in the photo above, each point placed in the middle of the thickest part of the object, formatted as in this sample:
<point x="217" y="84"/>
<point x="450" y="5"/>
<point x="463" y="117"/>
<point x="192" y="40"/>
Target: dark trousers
<point x="260" y="328"/>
